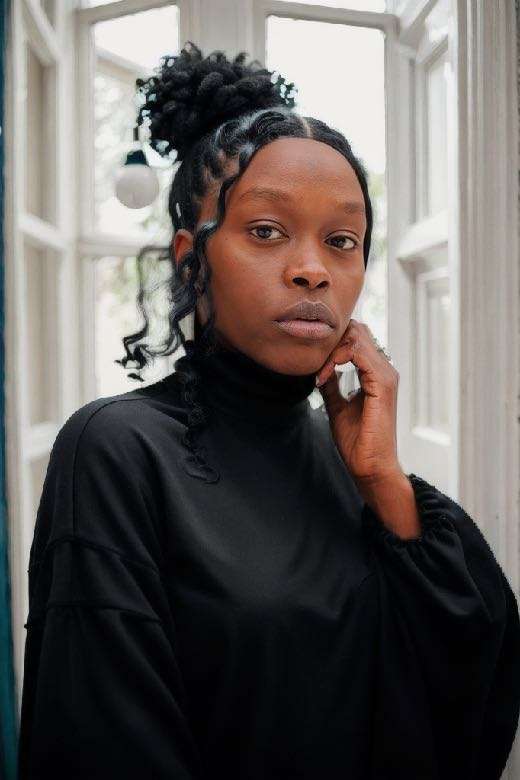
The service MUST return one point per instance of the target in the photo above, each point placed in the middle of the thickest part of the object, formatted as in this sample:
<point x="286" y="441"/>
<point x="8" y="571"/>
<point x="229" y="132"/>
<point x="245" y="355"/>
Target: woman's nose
<point x="308" y="274"/>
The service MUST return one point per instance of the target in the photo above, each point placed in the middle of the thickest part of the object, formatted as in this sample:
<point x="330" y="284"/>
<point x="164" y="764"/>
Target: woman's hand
<point x="363" y="427"/>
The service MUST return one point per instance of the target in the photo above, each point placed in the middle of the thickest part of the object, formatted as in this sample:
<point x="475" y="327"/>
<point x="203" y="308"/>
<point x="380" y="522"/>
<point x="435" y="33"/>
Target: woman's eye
<point x="265" y="227"/>
<point x="270" y="229"/>
<point x="344" y="238"/>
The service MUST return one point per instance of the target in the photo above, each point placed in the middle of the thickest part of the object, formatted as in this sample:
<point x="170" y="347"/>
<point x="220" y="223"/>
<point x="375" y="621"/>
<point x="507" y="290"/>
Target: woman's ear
<point x="182" y="242"/>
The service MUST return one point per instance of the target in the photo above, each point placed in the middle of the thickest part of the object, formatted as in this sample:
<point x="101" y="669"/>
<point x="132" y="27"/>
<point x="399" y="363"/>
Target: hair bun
<point x="189" y="95"/>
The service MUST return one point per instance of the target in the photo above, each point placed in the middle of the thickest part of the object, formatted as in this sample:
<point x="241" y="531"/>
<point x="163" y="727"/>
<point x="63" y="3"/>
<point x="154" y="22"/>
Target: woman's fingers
<point x="344" y="354"/>
<point x="356" y="346"/>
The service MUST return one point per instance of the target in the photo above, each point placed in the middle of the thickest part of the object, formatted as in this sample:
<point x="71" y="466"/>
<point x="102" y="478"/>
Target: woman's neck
<point x="234" y="383"/>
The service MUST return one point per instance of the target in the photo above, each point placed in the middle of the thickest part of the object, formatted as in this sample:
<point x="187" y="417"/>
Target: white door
<point x="421" y="327"/>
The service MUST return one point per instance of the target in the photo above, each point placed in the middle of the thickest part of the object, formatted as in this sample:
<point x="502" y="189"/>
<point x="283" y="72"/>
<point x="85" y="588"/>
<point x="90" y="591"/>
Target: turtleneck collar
<point x="234" y="383"/>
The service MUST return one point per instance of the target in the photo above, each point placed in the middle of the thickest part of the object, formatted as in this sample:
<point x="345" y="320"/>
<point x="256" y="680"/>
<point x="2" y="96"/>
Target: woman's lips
<point x="307" y="329"/>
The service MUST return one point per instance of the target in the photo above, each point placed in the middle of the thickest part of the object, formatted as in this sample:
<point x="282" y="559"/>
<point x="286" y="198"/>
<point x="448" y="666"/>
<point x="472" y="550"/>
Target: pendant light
<point x="136" y="183"/>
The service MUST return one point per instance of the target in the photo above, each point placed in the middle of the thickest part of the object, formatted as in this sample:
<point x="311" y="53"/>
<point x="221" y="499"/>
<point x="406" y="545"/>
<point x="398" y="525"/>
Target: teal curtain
<point x="8" y="716"/>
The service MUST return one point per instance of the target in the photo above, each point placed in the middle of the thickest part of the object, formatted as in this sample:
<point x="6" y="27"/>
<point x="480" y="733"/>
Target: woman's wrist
<point x="392" y="498"/>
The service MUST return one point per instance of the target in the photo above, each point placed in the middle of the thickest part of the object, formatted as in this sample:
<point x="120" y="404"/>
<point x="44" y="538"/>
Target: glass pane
<point x="42" y="305"/>
<point x="436" y="23"/>
<point x="39" y="168"/>
<point x="49" y="7"/>
<point x="437" y="136"/>
<point x="117" y="315"/>
<point x="358" y="111"/>
<point x="126" y="48"/>
<point x="352" y="5"/>
<point x="140" y="38"/>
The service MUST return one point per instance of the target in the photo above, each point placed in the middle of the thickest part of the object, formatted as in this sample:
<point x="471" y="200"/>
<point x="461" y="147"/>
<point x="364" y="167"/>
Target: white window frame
<point x="29" y="443"/>
<point x="92" y="243"/>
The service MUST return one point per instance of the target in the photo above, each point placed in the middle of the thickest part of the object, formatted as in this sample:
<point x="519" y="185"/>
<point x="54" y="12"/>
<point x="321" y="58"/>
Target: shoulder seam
<point x="99" y="408"/>
<point x="82" y="540"/>
<point x="90" y="605"/>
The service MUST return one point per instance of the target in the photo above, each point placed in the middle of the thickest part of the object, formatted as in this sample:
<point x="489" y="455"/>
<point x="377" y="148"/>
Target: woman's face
<point x="272" y="251"/>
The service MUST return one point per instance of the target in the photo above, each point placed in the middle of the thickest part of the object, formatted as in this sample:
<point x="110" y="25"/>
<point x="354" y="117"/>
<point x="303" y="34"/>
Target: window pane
<point x="330" y="89"/>
<point x="141" y="38"/>
<point x="41" y="273"/>
<point x="126" y="48"/>
<point x="351" y="5"/>
<point x="116" y="315"/>
<point x="40" y="106"/>
<point x="49" y="8"/>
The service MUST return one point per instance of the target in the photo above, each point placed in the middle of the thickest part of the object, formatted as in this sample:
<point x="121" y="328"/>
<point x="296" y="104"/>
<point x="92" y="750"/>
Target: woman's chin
<point x="285" y="355"/>
<point x="299" y="361"/>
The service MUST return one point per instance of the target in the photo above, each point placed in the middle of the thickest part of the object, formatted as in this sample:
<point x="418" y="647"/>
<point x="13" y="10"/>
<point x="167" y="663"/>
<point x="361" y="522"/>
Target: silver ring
<point x="387" y="356"/>
<point x="383" y="350"/>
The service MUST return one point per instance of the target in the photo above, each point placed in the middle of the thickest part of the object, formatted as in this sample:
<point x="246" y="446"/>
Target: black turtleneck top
<point x="262" y="625"/>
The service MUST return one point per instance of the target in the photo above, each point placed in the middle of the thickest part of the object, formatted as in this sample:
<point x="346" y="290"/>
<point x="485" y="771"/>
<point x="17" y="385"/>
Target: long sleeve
<point x="102" y="692"/>
<point x="448" y="694"/>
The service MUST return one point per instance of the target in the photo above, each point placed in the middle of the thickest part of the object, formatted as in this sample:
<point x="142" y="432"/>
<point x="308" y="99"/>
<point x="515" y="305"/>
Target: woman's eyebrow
<point x="267" y="193"/>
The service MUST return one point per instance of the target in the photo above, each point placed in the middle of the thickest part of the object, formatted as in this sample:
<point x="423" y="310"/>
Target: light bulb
<point x="136" y="184"/>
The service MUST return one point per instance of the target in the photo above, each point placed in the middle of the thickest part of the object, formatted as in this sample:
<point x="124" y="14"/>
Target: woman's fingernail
<point x="318" y="381"/>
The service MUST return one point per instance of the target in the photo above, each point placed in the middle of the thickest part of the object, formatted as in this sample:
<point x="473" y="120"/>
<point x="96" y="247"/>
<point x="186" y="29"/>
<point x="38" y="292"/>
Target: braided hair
<point x="212" y="110"/>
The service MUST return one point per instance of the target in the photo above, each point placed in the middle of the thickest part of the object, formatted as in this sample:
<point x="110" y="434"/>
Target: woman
<point x="224" y="582"/>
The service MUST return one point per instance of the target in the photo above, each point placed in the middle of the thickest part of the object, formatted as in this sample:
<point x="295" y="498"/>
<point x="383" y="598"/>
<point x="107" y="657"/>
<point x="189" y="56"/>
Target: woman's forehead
<point x="289" y="168"/>
<point x="298" y="161"/>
